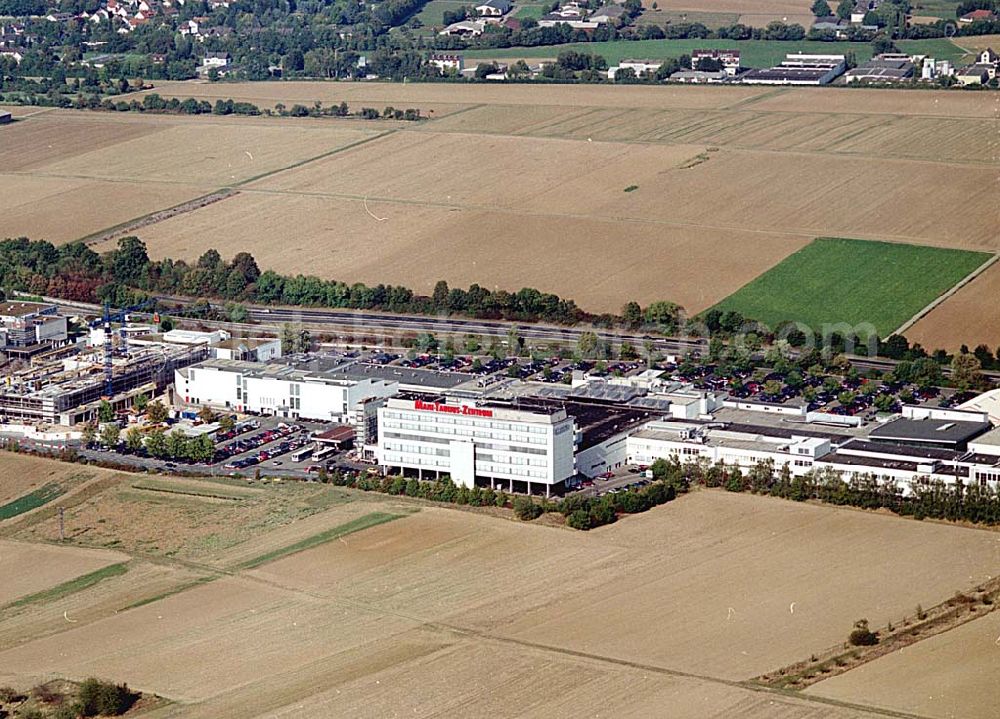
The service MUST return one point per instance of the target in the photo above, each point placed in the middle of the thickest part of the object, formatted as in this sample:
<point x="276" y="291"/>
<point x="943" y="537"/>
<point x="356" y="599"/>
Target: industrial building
<point x="281" y="390"/>
<point x="884" y="68"/>
<point x="27" y="328"/>
<point x="921" y="445"/>
<point x="799" y="69"/>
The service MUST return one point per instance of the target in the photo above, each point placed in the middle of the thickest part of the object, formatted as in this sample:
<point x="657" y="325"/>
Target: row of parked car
<point x="241" y="446"/>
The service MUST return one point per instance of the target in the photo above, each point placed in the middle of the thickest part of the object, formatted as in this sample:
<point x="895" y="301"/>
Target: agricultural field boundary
<point x="148" y="485"/>
<point x="933" y="305"/>
<point x="366" y="521"/>
<point x="943" y="617"/>
<point x="152" y="218"/>
<point x="69" y="587"/>
<point x="222" y="193"/>
<point x="664" y="671"/>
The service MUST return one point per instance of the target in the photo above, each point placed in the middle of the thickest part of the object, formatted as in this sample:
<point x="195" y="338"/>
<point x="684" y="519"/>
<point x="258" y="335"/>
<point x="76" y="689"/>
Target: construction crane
<point x="105" y="321"/>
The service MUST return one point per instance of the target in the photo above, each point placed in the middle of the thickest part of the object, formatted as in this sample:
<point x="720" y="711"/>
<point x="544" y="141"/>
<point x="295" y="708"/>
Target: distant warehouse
<point x="884" y="68"/>
<point x="799" y="69"/>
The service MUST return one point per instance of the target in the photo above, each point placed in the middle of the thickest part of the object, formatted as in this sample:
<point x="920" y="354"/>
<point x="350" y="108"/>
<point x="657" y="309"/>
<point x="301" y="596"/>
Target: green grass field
<point x="854" y="281"/>
<point x="755" y="53"/>
<point x="33" y="500"/>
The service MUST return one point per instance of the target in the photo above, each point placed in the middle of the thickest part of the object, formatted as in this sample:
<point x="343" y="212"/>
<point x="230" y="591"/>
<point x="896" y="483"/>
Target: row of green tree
<point x="580" y="512"/>
<point x="958" y="501"/>
<point x="121" y="276"/>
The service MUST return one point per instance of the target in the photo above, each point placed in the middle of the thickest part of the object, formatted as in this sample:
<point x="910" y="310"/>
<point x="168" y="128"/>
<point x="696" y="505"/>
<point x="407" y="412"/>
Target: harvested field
<point x="419" y="245"/>
<point x="27" y="202"/>
<point x="57" y="136"/>
<point x="946" y="676"/>
<point x="31" y="568"/>
<point x="930" y="103"/>
<point x="103" y="170"/>
<point x="757" y="556"/>
<point x="417" y="196"/>
<point x="971" y="317"/>
<point x="144" y="582"/>
<point x="568" y="619"/>
<point x="210" y="154"/>
<point x="430" y="674"/>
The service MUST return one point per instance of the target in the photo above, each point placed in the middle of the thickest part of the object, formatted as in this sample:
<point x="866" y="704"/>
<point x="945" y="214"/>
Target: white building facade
<point x="277" y="391"/>
<point x="500" y="447"/>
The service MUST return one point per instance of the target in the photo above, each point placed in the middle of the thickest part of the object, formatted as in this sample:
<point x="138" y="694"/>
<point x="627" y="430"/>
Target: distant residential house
<point x="729" y="59"/>
<point x="100" y="16"/>
<point x="59" y="16"/>
<point x="188" y="27"/>
<point x="14" y="55"/>
<point x="494" y="8"/>
<point x="637" y="66"/>
<point x="862" y="8"/>
<point x="977" y="15"/>
<point x="158" y="58"/>
<point x="219" y="31"/>
<point x="976" y="74"/>
<point x="607" y="14"/>
<point x="465" y="28"/>
<point x="444" y="61"/>
<point x="215" y="59"/>
<point x="216" y="4"/>
<point x="988" y="57"/>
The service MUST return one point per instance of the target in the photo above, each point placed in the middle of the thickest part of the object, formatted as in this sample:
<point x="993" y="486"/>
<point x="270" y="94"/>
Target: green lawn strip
<point x="355" y="525"/>
<point x="170" y="592"/>
<point x="833" y="281"/>
<point x="33" y="500"/>
<point x="73" y="586"/>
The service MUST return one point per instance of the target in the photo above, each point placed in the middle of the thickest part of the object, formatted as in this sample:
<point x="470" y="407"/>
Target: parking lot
<point x="267" y="446"/>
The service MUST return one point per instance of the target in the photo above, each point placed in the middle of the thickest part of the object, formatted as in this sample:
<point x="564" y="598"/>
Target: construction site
<point x="65" y="381"/>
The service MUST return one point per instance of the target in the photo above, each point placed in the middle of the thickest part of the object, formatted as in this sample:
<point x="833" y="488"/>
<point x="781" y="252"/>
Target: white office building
<point x="277" y="390"/>
<point x="688" y="442"/>
<point x="512" y="449"/>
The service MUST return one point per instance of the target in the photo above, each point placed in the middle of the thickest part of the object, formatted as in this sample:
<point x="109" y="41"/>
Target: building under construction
<point x="70" y="391"/>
